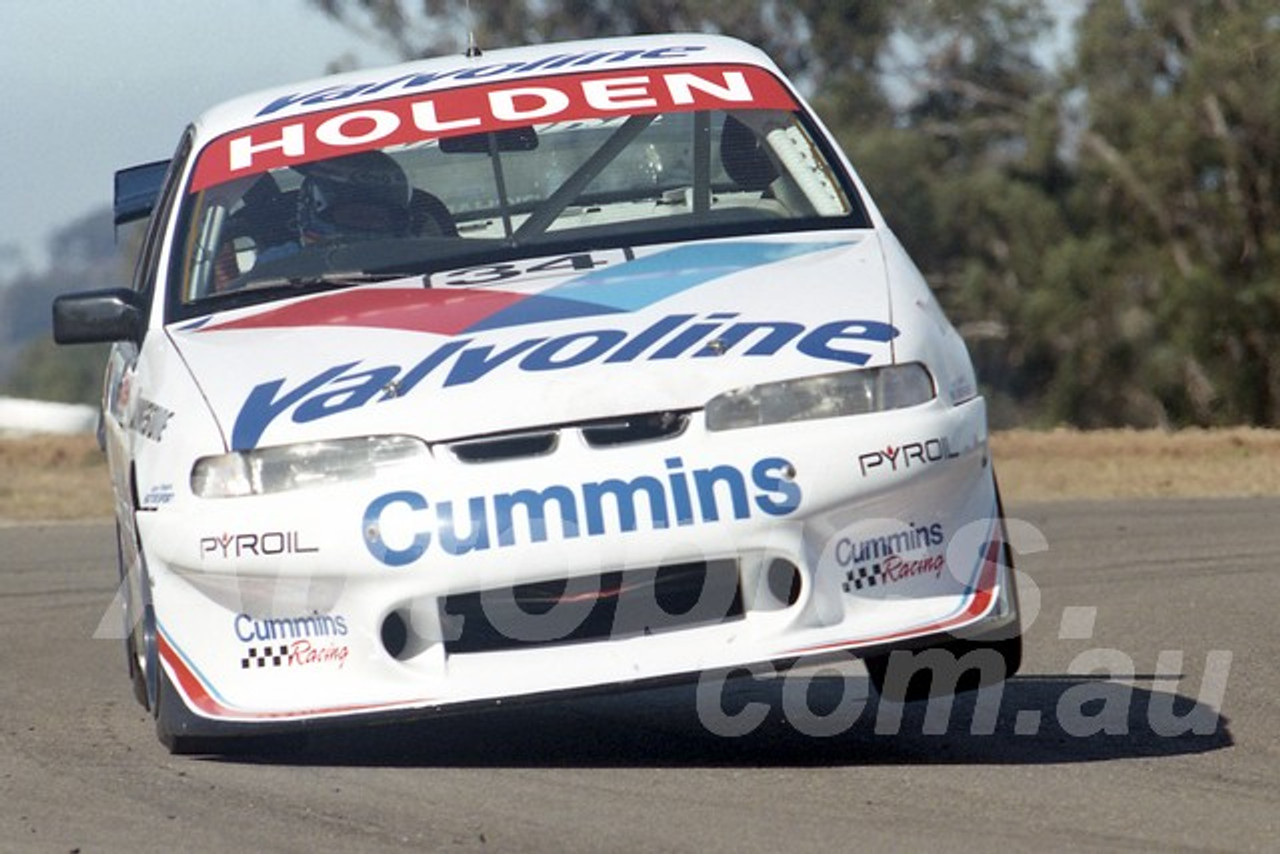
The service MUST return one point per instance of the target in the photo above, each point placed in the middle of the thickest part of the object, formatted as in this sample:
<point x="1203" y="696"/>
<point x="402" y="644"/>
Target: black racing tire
<point x="145" y="660"/>
<point x="139" y="638"/>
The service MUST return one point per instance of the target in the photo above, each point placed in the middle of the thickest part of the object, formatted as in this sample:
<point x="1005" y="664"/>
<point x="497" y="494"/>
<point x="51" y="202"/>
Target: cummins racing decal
<point x="299" y="653"/>
<point x="891" y="557"/>
<point x="314" y="625"/>
<point x="313" y="639"/>
<point x="400" y="527"/>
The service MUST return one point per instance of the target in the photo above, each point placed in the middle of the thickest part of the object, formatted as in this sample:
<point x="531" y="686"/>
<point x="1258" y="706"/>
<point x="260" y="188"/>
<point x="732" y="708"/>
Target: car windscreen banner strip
<point x="484" y="108"/>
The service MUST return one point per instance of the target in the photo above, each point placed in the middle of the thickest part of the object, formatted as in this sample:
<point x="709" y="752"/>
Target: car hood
<point x="541" y="342"/>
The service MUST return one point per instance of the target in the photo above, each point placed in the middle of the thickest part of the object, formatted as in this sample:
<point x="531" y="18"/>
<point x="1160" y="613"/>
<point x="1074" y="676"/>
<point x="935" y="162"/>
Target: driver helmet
<point x="358" y="196"/>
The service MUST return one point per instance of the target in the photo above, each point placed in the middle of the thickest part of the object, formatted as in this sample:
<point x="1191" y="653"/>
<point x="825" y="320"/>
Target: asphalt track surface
<point x="1145" y="718"/>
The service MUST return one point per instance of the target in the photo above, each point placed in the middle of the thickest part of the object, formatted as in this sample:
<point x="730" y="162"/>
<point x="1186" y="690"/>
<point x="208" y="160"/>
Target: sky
<point x="91" y="86"/>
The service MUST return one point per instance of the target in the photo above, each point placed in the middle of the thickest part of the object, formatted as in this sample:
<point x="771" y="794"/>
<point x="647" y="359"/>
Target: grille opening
<point x="505" y="447"/>
<point x="635" y="428"/>
<point x="395" y="634"/>
<point x="612" y="605"/>
<point x="783" y="578"/>
<point x="627" y="429"/>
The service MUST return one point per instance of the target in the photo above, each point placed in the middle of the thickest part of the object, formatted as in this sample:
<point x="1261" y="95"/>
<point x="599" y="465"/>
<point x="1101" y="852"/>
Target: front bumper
<point x="578" y="569"/>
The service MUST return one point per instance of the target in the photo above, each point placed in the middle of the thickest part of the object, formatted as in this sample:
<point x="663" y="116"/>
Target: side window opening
<point x="147" y="268"/>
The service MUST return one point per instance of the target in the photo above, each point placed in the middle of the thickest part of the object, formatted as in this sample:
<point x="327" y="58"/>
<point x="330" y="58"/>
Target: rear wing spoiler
<point x="137" y="189"/>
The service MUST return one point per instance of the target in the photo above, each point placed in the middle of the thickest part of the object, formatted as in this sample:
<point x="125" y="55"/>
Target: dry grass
<point x="53" y="477"/>
<point x="66" y="477"/>
<point x="1035" y="466"/>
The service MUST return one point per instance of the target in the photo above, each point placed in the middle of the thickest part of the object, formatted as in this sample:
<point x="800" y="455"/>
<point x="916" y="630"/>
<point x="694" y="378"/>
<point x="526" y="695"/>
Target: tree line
<point x="1095" y="198"/>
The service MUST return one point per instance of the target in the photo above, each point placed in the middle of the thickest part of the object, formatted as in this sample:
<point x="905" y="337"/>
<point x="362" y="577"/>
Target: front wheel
<point x="139" y="623"/>
<point x="144" y="664"/>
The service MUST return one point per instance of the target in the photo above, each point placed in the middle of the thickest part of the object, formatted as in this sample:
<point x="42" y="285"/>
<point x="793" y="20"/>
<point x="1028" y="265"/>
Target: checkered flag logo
<point x="863" y="576"/>
<point x="272" y="656"/>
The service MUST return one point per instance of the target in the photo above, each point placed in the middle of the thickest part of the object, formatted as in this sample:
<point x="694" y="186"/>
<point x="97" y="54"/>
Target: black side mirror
<point x="91" y="317"/>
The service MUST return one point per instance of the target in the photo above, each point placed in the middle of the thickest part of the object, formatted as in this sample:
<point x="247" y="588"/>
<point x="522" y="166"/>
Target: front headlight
<point x="826" y="396"/>
<point x="288" y="467"/>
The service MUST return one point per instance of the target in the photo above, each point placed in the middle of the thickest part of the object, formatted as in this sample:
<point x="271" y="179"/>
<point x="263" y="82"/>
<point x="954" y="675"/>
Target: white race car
<point x="588" y="365"/>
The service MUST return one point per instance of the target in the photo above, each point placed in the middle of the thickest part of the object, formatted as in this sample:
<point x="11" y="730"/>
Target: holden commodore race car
<point x="575" y="367"/>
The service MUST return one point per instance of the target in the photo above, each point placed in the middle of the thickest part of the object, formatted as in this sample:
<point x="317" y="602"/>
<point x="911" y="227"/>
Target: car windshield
<point x="424" y="206"/>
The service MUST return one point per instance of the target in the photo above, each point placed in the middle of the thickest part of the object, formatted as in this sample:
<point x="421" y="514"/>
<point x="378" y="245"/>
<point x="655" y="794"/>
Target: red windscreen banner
<point x="483" y="108"/>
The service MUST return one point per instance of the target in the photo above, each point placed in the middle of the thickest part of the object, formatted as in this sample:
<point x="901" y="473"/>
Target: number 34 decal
<point x="523" y="269"/>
